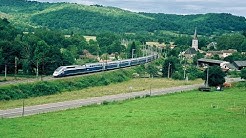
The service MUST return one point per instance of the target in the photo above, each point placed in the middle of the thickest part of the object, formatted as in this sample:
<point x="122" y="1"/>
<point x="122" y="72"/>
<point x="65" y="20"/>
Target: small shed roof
<point x="240" y="63"/>
<point x="210" y="61"/>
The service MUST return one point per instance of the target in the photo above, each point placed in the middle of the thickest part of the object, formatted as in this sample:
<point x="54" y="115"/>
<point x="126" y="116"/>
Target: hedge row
<point x="42" y="88"/>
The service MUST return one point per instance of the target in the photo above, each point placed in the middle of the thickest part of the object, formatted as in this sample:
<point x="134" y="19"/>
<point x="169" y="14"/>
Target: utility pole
<point x="169" y="65"/>
<point x="207" y="76"/>
<point x="106" y="61"/>
<point x="37" y="70"/>
<point x="42" y="68"/>
<point x="133" y="53"/>
<point x="5" y="73"/>
<point x="143" y="50"/>
<point x="15" y="66"/>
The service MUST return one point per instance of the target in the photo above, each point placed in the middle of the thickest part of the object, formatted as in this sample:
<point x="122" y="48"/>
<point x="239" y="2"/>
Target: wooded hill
<point x="96" y="19"/>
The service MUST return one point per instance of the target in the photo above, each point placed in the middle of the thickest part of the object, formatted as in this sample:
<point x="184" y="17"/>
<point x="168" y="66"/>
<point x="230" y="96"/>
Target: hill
<point x="93" y="19"/>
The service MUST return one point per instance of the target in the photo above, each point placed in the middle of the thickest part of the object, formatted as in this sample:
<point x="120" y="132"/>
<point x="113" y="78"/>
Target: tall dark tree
<point x="132" y="50"/>
<point x="105" y="40"/>
<point x="116" y="47"/>
<point x="170" y="65"/>
<point x="216" y="76"/>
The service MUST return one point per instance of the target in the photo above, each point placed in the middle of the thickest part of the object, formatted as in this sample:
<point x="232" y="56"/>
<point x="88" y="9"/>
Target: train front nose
<point x="55" y="74"/>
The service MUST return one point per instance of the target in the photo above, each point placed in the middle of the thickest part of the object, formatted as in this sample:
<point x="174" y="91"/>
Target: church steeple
<point x="195" y="35"/>
<point x="195" y="41"/>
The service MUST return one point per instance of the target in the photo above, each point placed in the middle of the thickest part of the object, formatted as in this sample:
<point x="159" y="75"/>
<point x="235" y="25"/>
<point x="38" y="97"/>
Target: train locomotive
<point x="63" y="71"/>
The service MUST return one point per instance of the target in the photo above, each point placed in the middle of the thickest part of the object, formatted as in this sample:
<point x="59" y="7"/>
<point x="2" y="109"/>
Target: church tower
<point x="195" y="41"/>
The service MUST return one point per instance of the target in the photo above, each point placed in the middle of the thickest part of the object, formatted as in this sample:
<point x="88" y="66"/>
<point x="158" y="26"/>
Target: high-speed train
<point x="63" y="71"/>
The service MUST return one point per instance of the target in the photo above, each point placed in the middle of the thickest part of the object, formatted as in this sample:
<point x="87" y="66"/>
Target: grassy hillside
<point x="94" y="19"/>
<point x="191" y="114"/>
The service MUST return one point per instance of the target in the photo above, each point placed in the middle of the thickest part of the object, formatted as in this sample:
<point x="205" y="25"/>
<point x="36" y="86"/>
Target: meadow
<point x="187" y="114"/>
<point x="132" y="85"/>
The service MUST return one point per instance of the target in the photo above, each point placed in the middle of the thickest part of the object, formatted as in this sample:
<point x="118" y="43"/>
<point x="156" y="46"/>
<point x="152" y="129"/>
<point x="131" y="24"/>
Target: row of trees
<point x="46" y="50"/>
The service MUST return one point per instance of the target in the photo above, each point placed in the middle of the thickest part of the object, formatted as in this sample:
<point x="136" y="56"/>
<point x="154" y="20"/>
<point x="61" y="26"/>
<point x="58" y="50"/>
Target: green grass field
<point x="189" y="114"/>
<point x="136" y="85"/>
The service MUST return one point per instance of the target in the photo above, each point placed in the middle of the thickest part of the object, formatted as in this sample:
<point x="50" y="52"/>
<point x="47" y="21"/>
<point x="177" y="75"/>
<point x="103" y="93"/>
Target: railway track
<point x="49" y="78"/>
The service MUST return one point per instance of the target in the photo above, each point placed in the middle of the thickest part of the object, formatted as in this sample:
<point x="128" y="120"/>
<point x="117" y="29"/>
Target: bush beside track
<point x="42" y="88"/>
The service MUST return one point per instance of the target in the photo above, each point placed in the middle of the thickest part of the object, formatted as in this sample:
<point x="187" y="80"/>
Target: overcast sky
<point x="235" y="7"/>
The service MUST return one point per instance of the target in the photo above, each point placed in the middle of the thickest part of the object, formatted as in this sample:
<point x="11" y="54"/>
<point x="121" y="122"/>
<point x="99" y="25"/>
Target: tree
<point x="243" y="73"/>
<point x="231" y="41"/>
<point x="152" y="70"/>
<point x="105" y="40"/>
<point x="216" y="57"/>
<point x="244" y="33"/>
<point x="216" y="76"/>
<point x="234" y="57"/>
<point x="174" y="52"/>
<point x="93" y="47"/>
<point x="67" y="56"/>
<point x="1" y="57"/>
<point x="177" y="76"/>
<point x="132" y="50"/>
<point x="196" y="57"/>
<point x="116" y="47"/>
<point x="170" y="65"/>
<point x="193" y="72"/>
<point x="243" y="46"/>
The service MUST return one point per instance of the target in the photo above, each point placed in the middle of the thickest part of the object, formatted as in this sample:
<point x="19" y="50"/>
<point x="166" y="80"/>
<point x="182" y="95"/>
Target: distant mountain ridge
<point x="94" y="19"/>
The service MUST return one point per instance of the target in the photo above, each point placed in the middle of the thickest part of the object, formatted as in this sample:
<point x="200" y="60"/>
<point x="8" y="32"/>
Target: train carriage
<point x="96" y="67"/>
<point x="125" y="63"/>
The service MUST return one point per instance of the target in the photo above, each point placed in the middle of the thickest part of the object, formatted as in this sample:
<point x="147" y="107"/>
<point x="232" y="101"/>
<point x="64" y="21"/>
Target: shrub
<point x="177" y="76"/>
<point x="234" y="74"/>
<point x="52" y="87"/>
<point x="44" y="88"/>
<point x="4" y="94"/>
<point x="243" y="73"/>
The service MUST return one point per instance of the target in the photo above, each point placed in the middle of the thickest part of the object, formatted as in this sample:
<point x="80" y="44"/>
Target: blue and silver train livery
<point x="96" y="67"/>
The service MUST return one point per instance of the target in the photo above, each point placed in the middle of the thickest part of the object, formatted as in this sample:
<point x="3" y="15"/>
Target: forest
<point x="94" y="20"/>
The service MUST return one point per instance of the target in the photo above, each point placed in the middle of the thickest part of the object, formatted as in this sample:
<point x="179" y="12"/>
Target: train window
<point x="58" y="68"/>
<point x="71" y="67"/>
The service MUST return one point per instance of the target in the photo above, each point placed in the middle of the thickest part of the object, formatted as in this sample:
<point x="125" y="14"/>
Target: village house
<point x="155" y="44"/>
<point x="203" y="62"/>
<point x="221" y="54"/>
